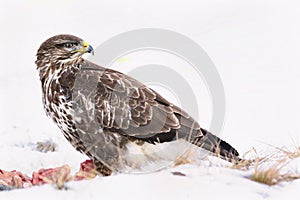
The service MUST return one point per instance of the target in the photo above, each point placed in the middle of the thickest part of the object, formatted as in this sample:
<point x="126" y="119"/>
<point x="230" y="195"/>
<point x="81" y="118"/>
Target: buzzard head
<point x="60" y="51"/>
<point x="63" y="47"/>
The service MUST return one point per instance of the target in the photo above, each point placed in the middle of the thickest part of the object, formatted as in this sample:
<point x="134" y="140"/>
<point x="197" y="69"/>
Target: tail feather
<point x="217" y="146"/>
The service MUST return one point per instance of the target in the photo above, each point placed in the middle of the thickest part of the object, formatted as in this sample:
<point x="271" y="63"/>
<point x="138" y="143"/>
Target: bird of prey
<point x="104" y="113"/>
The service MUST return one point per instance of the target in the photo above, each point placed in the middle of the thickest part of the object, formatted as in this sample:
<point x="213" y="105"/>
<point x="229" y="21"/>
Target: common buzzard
<point x="103" y="113"/>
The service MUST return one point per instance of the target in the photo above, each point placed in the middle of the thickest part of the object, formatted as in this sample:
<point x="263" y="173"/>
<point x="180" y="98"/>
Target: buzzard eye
<point x="68" y="45"/>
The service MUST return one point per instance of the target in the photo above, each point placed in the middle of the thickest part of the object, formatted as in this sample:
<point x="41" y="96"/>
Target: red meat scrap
<point x="14" y="179"/>
<point x="58" y="176"/>
<point x="87" y="171"/>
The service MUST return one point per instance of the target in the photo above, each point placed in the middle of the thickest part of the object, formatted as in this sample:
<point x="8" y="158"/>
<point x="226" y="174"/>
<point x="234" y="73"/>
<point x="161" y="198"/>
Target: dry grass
<point x="185" y="158"/>
<point x="273" y="174"/>
<point x="268" y="175"/>
<point x="269" y="169"/>
<point x="245" y="164"/>
<point x="46" y="146"/>
<point x="295" y="153"/>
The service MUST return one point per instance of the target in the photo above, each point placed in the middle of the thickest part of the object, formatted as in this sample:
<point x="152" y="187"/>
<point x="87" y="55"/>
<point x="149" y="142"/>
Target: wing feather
<point x="126" y="106"/>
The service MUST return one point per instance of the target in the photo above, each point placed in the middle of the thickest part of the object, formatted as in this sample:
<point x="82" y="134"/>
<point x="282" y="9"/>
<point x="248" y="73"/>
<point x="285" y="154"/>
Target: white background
<point x="254" y="44"/>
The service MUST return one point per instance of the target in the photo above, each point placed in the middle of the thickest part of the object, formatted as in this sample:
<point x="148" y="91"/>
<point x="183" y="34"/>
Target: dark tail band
<point x="219" y="147"/>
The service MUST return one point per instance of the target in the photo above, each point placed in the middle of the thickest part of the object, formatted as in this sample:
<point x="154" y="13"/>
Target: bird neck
<point x="48" y="68"/>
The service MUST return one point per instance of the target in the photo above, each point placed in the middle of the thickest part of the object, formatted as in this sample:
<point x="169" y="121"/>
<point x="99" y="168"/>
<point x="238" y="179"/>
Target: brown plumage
<point x="100" y="111"/>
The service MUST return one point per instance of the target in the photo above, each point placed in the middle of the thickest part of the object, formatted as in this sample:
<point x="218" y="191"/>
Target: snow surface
<point x="254" y="44"/>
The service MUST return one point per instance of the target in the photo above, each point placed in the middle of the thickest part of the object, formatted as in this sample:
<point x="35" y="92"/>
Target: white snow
<point x="254" y="44"/>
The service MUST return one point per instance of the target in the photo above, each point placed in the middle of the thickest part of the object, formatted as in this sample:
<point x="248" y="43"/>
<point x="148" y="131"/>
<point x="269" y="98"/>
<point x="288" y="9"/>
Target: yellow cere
<point x="85" y="44"/>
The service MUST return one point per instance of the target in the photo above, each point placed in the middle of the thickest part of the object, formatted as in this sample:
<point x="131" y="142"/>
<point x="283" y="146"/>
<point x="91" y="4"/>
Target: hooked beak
<point x="87" y="48"/>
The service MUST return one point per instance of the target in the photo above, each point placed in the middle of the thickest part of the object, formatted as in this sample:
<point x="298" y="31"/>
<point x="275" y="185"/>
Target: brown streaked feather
<point x="146" y="111"/>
